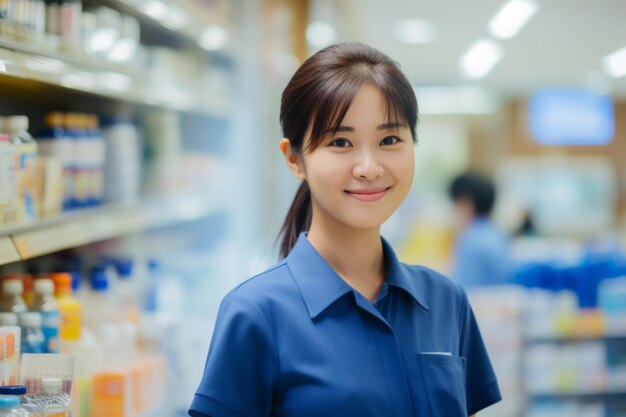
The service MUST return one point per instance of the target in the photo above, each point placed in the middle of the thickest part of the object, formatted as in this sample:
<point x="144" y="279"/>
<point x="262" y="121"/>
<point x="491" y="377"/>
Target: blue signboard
<point x="561" y="116"/>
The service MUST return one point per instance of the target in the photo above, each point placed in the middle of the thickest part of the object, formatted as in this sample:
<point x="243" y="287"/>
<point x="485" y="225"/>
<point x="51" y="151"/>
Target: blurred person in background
<point x="481" y="251"/>
<point x="339" y="326"/>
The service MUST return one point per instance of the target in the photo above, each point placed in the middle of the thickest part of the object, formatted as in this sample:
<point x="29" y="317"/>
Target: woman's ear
<point x="294" y="162"/>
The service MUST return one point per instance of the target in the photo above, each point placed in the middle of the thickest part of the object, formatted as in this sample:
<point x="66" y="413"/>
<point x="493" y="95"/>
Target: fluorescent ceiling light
<point x="614" y="64"/>
<point x="415" y="31"/>
<point x="213" y="38"/>
<point x="511" y="17"/>
<point x="479" y="60"/>
<point x="456" y="100"/>
<point x="320" y="34"/>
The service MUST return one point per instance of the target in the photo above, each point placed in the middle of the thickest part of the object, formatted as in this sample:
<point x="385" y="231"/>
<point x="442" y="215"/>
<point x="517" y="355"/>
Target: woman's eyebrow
<point x="390" y="126"/>
<point x="339" y="129"/>
<point x="386" y="126"/>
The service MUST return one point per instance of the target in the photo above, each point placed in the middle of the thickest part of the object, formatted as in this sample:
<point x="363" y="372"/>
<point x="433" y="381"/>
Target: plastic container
<point x="16" y="390"/>
<point x="96" y="158"/>
<point x="7" y="178"/>
<point x="26" y="153"/>
<point x="45" y="303"/>
<point x="122" y="172"/>
<point x="33" y="340"/>
<point x="103" y="306"/>
<point x="10" y="406"/>
<point x="51" y="401"/>
<point x="55" y="142"/>
<point x="8" y="319"/>
<point x="69" y="309"/>
<point x="11" y="299"/>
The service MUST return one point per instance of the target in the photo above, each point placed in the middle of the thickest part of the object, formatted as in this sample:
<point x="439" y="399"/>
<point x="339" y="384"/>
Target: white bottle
<point x="26" y="158"/>
<point x="96" y="160"/>
<point x="55" y="142"/>
<point x="83" y="161"/>
<point x="7" y="178"/>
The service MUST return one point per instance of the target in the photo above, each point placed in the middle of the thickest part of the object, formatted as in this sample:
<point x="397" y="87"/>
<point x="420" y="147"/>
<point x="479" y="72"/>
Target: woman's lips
<point x="368" y="195"/>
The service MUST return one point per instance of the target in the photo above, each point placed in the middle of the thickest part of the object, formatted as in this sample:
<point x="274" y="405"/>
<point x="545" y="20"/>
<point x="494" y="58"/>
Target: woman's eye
<point x="390" y="140"/>
<point x="340" y="143"/>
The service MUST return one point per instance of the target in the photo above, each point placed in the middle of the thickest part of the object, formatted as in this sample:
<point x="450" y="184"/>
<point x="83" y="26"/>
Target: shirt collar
<point x="321" y="286"/>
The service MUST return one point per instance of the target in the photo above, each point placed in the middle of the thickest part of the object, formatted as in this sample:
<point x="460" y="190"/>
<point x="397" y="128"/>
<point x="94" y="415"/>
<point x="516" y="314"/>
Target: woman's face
<point x="360" y="175"/>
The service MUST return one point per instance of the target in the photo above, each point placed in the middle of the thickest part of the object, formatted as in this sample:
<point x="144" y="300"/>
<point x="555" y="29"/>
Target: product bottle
<point x="55" y="142"/>
<point x="4" y="17"/>
<point x="69" y="310"/>
<point x="52" y="400"/>
<point x="70" y="27"/>
<point x="33" y="340"/>
<point x="102" y="305"/>
<point x="11" y="300"/>
<point x="26" y="157"/>
<point x="82" y="159"/>
<point x="10" y="406"/>
<point x="45" y="303"/>
<point x="8" y="319"/>
<point x="7" y="178"/>
<point x="98" y="152"/>
<point x="126" y="290"/>
<point x="53" y="17"/>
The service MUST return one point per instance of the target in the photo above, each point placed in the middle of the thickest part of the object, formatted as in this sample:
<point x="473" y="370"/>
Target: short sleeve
<point x="481" y="385"/>
<point x="241" y="366"/>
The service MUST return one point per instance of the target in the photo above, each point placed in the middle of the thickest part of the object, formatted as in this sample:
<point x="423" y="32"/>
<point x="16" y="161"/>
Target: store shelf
<point x="577" y="339"/>
<point x="8" y="252"/>
<point x="90" y="75"/>
<point x="92" y="225"/>
<point x="182" y="18"/>
<point x="615" y="394"/>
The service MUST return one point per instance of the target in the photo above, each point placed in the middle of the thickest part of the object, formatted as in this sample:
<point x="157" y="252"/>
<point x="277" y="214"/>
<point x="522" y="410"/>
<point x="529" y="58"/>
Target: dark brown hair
<point x="319" y="95"/>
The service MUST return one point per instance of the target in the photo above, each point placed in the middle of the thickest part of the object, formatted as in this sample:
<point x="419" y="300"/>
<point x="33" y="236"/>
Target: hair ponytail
<point x="298" y="219"/>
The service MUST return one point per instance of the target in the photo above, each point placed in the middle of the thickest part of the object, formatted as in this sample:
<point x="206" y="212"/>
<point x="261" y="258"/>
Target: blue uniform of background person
<point x="297" y="340"/>
<point x="481" y="251"/>
<point x="482" y="255"/>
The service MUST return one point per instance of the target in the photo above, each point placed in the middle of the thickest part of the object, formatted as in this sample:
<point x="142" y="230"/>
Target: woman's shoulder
<point x="267" y="287"/>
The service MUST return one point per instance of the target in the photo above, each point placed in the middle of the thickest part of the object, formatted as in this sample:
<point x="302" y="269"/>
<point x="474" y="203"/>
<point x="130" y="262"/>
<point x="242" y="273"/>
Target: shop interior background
<point x="180" y="174"/>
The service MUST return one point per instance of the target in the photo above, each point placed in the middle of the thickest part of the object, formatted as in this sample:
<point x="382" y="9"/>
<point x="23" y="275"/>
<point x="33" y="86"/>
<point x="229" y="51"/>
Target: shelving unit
<point x="93" y="76"/>
<point x="36" y="63"/>
<point x="604" y="390"/>
<point x="93" y="225"/>
<point x="189" y="220"/>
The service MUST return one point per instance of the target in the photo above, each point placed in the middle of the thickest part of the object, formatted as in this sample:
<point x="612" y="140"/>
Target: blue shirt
<point x="482" y="255"/>
<point x="297" y="340"/>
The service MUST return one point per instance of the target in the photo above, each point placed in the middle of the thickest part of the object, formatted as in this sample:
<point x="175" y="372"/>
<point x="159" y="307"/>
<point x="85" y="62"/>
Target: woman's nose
<point x="367" y="167"/>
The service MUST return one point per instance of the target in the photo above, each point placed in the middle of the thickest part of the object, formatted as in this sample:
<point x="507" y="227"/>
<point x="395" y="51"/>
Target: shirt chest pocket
<point x="444" y="382"/>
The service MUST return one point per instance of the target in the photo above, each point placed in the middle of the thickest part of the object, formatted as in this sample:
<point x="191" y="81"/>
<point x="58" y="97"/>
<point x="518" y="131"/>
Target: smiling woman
<point x="340" y="326"/>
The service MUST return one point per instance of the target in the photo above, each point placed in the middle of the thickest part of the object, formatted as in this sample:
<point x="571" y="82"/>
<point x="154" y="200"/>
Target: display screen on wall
<point x="561" y="116"/>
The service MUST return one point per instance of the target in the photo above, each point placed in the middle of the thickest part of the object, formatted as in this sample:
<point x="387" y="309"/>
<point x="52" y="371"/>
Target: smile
<point x="368" y="196"/>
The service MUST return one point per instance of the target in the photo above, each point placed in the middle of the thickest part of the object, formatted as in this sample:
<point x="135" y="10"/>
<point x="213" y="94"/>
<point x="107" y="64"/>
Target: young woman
<point x="339" y="327"/>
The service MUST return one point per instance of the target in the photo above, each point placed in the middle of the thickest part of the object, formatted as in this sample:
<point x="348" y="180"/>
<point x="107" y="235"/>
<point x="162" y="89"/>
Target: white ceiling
<point x="562" y="45"/>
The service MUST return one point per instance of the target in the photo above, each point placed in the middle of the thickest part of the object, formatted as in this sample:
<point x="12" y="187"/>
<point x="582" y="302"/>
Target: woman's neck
<point x="355" y="254"/>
